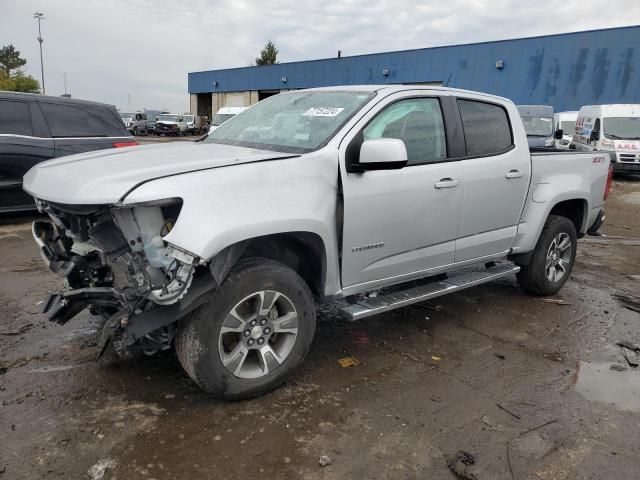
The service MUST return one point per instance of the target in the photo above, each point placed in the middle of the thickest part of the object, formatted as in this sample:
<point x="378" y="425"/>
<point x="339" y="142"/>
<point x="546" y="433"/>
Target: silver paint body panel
<point x="231" y="194"/>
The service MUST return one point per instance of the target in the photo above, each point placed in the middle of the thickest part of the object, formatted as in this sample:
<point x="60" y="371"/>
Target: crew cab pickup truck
<point x="224" y="247"/>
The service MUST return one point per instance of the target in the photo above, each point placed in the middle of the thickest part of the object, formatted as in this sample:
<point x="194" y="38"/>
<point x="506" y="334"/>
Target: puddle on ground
<point x="597" y="382"/>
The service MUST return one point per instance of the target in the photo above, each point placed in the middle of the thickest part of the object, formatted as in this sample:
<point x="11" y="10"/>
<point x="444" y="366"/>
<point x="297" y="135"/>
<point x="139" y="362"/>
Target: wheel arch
<point x="303" y="251"/>
<point x="575" y="210"/>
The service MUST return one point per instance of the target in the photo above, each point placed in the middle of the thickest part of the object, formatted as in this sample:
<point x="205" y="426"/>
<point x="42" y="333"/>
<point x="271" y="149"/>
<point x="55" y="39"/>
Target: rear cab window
<point x="486" y="126"/>
<point x="82" y="121"/>
<point x="15" y="118"/>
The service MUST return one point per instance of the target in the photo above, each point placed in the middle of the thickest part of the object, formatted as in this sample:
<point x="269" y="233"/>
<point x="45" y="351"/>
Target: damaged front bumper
<point x="115" y="263"/>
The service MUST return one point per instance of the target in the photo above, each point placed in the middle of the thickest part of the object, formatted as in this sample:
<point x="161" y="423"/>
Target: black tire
<point x="197" y="340"/>
<point x="533" y="277"/>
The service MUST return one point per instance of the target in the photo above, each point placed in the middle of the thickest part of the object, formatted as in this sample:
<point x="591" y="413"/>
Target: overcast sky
<point x="113" y="49"/>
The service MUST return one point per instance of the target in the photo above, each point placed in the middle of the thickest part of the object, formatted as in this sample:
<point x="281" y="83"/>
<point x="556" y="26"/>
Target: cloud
<point x="113" y="49"/>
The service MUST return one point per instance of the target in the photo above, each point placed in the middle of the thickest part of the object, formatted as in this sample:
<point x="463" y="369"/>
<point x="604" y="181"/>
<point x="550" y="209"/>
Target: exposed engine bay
<point x="115" y="262"/>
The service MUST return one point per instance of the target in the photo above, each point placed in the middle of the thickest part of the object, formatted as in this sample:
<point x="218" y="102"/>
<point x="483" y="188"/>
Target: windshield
<point x="188" y="118"/>
<point x="220" y="118"/>
<point x="126" y="116"/>
<point x="568" y="127"/>
<point x="168" y="118"/>
<point x="296" y="122"/>
<point x="622" y="128"/>
<point x="538" y="126"/>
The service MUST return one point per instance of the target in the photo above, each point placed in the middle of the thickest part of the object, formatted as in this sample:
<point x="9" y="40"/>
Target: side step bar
<point x="456" y="281"/>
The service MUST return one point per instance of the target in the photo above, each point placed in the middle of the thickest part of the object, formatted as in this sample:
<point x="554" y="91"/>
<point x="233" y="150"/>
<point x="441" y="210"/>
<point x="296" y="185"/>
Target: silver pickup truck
<point x="224" y="247"/>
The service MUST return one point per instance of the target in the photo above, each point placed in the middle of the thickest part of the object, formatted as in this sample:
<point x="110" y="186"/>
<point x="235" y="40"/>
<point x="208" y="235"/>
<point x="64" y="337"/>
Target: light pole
<point x="64" y="76"/>
<point x="40" y="16"/>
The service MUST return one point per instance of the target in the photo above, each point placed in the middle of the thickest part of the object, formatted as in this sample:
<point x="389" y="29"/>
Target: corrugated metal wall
<point x="566" y="71"/>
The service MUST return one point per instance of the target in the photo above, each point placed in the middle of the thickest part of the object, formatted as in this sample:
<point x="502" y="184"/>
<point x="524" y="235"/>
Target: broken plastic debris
<point x="96" y="472"/>
<point x="325" y="460"/>
<point x="555" y="301"/>
<point x="435" y="358"/>
<point x="349" y="362"/>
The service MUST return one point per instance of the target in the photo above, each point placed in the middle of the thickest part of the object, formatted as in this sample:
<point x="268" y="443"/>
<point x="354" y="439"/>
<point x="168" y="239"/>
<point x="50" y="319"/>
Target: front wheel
<point x="552" y="259"/>
<point x="253" y="333"/>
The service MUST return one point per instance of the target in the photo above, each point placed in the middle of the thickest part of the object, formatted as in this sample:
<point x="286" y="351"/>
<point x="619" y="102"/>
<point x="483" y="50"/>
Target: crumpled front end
<point x="115" y="262"/>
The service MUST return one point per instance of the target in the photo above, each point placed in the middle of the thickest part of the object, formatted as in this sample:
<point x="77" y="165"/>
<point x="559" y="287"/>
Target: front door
<point x="399" y="224"/>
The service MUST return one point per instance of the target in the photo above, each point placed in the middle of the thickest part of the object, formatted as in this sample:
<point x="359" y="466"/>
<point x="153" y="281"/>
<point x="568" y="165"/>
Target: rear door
<point x="496" y="180"/>
<point x="23" y="143"/>
<point x="399" y="224"/>
<point x="78" y="128"/>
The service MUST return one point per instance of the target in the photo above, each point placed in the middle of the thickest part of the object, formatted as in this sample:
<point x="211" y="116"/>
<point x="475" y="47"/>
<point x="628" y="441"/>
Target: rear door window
<point x="487" y="130"/>
<point x="15" y="118"/>
<point x="74" y="121"/>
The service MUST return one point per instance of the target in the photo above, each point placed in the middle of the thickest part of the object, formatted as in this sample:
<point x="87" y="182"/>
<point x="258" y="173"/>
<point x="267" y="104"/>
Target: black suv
<point x="34" y="128"/>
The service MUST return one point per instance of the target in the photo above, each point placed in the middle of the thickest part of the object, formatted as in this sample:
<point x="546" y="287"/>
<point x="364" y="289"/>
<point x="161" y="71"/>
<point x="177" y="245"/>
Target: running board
<point x="456" y="281"/>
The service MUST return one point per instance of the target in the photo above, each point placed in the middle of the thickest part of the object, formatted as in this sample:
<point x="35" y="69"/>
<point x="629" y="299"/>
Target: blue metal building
<point x="565" y="71"/>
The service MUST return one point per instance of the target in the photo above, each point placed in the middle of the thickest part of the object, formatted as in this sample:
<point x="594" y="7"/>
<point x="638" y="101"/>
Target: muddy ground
<point x="523" y="385"/>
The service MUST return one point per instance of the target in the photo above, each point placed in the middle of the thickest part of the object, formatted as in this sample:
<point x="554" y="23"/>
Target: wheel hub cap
<point x="256" y="332"/>
<point x="559" y="256"/>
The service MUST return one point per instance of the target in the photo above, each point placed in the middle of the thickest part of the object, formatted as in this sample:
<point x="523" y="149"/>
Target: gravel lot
<point x="522" y="384"/>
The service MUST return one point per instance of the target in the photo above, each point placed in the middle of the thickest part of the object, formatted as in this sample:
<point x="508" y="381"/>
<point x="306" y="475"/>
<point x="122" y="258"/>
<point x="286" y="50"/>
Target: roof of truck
<point x="389" y="89"/>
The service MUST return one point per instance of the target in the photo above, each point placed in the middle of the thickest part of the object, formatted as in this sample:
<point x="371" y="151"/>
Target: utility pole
<point x="40" y="16"/>
<point x="129" y="101"/>
<point x="64" y="76"/>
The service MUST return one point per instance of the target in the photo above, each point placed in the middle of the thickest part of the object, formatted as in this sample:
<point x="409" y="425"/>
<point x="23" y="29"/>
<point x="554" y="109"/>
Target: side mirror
<point x="559" y="134"/>
<point x="382" y="154"/>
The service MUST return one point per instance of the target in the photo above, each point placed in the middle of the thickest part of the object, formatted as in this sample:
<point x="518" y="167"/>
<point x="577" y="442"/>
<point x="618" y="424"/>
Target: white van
<point x="611" y="128"/>
<point x="565" y="121"/>
<point x="538" y="124"/>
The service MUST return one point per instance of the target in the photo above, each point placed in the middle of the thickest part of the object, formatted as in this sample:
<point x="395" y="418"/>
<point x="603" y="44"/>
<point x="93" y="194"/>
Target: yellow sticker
<point x="349" y="362"/>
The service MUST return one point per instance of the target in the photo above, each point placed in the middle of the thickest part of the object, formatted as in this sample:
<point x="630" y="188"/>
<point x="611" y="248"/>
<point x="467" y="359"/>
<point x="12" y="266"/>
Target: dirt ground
<point x="523" y="385"/>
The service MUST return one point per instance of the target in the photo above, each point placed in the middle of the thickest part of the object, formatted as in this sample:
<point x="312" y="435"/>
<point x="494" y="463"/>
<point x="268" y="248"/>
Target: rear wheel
<point x="552" y="259"/>
<point x="253" y="333"/>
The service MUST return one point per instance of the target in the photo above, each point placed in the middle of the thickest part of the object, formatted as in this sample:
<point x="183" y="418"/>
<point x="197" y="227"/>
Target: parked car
<point x="611" y="128"/>
<point x="170" y="124"/>
<point x="136" y="123"/>
<point x="151" y="124"/>
<point x="195" y="124"/>
<point x="310" y="195"/>
<point x="539" y="125"/>
<point x="152" y="117"/>
<point x="224" y="114"/>
<point x="34" y="128"/>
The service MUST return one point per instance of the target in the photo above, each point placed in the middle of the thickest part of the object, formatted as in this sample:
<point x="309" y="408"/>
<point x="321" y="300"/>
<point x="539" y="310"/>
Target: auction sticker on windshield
<point x="322" y="112"/>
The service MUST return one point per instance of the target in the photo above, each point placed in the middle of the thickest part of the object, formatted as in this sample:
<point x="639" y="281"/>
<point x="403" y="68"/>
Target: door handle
<point x="447" y="183"/>
<point x="513" y="174"/>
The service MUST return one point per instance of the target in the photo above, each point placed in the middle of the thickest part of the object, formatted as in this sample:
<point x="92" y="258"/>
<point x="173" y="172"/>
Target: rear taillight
<point x="607" y="189"/>
<point x="125" y="144"/>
